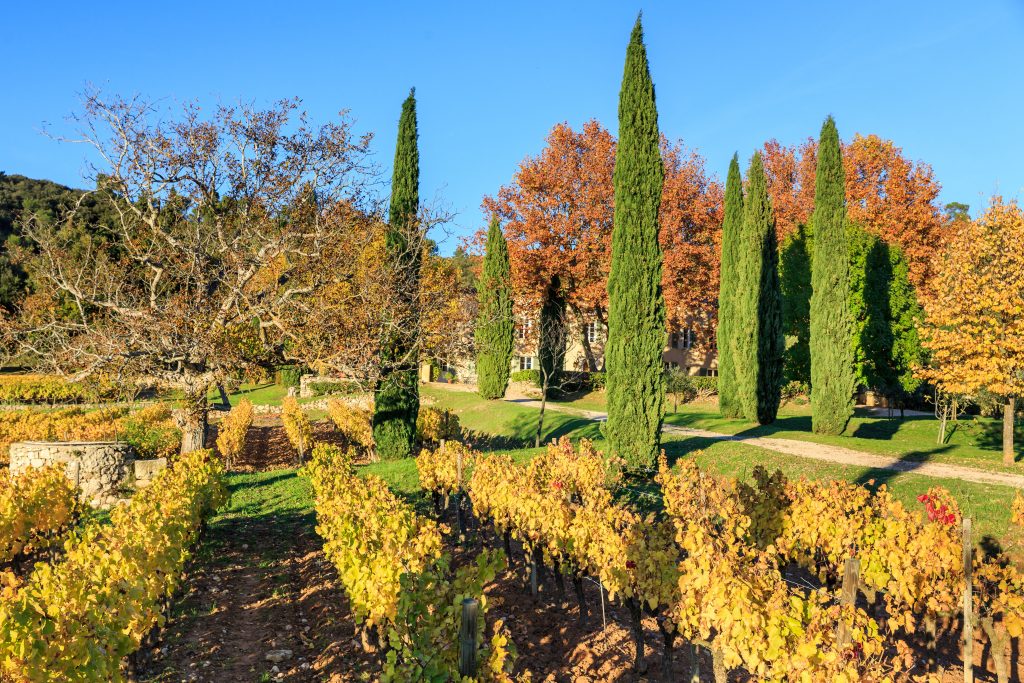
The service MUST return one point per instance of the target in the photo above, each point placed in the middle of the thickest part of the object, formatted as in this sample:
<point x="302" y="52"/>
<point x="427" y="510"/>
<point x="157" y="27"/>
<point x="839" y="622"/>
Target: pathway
<point x="818" y="451"/>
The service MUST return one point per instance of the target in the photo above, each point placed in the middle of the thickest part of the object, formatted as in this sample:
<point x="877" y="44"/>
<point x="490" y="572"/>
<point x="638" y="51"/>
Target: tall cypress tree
<point x="494" y="326"/>
<point x="636" y="304"/>
<point x="758" y="305"/>
<point x="397" y="399"/>
<point x="832" y="376"/>
<point x="728" y="402"/>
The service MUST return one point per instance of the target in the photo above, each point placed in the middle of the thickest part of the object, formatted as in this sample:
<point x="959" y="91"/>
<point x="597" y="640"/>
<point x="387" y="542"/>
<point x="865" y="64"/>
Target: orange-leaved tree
<point x="557" y="215"/>
<point x="891" y="196"/>
<point x="974" y="323"/>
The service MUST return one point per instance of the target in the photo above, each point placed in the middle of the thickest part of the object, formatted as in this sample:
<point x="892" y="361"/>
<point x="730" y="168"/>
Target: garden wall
<point x="102" y="469"/>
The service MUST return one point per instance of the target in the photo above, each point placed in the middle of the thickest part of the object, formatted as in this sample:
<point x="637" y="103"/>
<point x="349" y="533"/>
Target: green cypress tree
<point x="397" y="399"/>
<point x="636" y="304"/>
<point x="495" y="326"/>
<point x="728" y="402"/>
<point x="553" y="336"/>
<point x="832" y="376"/>
<point x="758" y="305"/>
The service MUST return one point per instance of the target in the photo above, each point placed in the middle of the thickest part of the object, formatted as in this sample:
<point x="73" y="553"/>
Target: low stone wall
<point x="102" y="469"/>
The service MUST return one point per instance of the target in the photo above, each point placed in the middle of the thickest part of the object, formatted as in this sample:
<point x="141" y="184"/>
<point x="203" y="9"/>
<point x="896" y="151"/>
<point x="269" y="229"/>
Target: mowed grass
<point x="972" y="441"/>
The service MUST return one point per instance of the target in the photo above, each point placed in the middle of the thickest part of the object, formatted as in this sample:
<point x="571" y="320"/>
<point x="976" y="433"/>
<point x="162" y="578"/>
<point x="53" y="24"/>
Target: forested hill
<point x="20" y="196"/>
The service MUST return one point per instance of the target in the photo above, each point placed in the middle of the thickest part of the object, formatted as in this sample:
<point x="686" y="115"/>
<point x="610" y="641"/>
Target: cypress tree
<point x="636" y="304"/>
<point x="495" y="326"/>
<point x="397" y="399"/>
<point x="832" y="376"/>
<point x="728" y="402"/>
<point x="758" y="304"/>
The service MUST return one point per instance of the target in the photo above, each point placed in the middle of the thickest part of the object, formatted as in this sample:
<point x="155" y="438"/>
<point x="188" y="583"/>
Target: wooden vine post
<point x="968" y="603"/>
<point x="467" y="637"/>
<point x="851" y="577"/>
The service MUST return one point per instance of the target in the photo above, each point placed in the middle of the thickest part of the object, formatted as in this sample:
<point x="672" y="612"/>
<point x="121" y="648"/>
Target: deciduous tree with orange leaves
<point x="891" y="196"/>
<point x="558" y="210"/>
<point x="974" y="323"/>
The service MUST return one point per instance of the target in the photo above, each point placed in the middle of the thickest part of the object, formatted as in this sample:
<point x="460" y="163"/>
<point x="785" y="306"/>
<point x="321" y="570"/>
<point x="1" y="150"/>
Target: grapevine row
<point x="397" y="579"/>
<point x="37" y="508"/>
<point x="77" y="618"/>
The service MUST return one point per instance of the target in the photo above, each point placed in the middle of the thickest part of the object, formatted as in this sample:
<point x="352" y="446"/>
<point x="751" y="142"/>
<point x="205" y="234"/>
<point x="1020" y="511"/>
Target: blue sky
<point x="942" y="79"/>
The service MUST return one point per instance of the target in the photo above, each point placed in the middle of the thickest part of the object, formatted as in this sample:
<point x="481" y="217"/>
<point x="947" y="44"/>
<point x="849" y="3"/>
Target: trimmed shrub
<point x="290" y="375"/>
<point x="531" y="376"/>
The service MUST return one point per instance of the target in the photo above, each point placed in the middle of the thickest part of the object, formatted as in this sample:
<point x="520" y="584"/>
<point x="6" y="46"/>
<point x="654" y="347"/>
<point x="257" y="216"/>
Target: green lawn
<point x="973" y="441"/>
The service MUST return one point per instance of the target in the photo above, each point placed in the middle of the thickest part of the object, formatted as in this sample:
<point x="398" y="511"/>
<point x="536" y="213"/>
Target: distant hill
<point x="20" y="195"/>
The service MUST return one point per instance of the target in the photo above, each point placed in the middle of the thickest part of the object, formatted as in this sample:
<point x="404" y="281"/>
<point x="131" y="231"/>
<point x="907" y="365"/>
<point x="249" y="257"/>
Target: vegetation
<point x="729" y="324"/>
<point x="636" y="306"/>
<point x="297" y="426"/>
<point x="495" y="325"/>
<point x="758" y="340"/>
<point x="831" y="363"/>
<point x="974" y="324"/>
<point x="37" y="508"/>
<point x="396" y="399"/>
<point x="78" y="617"/>
<point x="232" y="430"/>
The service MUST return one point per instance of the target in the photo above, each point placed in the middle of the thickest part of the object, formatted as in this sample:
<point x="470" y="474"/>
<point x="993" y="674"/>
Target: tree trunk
<point x="636" y="624"/>
<point x="1008" y="415"/>
<point x="193" y="421"/>
<point x="225" y="403"/>
<point x="540" y="417"/>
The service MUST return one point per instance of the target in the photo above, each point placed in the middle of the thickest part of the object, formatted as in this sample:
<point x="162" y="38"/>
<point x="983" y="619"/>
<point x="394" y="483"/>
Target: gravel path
<point x="829" y="453"/>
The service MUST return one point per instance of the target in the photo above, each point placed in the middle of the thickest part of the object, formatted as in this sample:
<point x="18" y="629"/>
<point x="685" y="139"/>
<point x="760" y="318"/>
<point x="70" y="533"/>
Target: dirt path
<point x="818" y="451"/>
<point x="258" y="584"/>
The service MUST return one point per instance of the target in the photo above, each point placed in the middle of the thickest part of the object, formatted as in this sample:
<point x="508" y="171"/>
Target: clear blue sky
<point x="941" y="78"/>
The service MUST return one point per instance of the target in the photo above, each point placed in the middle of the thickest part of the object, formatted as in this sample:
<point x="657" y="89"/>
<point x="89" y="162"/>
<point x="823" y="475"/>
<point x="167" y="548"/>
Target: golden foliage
<point x="36" y="508"/>
<point x="77" y="618"/>
<point x="296" y="425"/>
<point x="232" y="429"/>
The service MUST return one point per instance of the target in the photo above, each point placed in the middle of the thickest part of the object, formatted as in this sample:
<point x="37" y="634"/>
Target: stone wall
<point x="102" y="469"/>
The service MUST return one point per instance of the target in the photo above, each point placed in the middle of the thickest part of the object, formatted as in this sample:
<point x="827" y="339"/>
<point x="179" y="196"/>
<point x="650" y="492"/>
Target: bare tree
<point x="221" y="222"/>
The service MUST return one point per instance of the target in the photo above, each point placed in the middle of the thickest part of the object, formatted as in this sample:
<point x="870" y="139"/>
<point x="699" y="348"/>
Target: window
<point x="683" y="339"/>
<point x="524" y="329"/>
<point x="526" y="362"/>
<point x="590" y="329"/>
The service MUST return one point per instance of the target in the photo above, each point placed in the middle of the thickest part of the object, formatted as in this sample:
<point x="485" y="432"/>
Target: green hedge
<point x="334" y="388"/>
<point x="531" y="376"/>
<point x="290" y="375"/>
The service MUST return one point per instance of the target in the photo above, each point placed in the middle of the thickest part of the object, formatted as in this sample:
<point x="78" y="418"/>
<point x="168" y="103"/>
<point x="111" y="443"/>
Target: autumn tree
<point x="974" y="323"/>
<point x="832" y="380"/>
<point x="636" y="309"/>
<point x="759" y="343"/>
<point x="558" y="217"/>
<point x="495" y="325"/>
<point x="890" y="196"/>
<point x="213" y="216"/>
<point x="729" y="323"/>
<point x="396" y="399"/>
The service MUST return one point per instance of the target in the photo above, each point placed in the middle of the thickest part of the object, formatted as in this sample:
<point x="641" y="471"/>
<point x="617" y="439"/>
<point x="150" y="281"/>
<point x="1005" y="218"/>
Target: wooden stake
<point x="467" y="637"/>
<point x="968" y="603"/>
<point x="851" y="577"/>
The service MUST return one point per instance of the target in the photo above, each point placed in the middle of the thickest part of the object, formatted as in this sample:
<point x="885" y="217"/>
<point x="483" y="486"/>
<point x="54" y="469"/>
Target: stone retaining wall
<point x="102" y="469"/>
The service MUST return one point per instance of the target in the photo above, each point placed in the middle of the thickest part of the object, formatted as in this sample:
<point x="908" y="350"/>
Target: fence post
<point x="851" y="577"/>
<point x="467" y="637"/>
<point x="968" y="603"/>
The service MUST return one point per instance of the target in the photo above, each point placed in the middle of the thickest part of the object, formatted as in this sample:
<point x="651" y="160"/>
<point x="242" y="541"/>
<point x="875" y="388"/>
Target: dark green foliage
<point x="759" y="344"/>
<point x="494" y="325"/>
<point x="553" y="336"/>
<point x="795" y="283"/>
<point x="636" y="304"/>
<point x="884" y="312"/>
<point x="397" y="400"/>
<point x="728" y="400"/>
<point x="530" y="376"/>
<point x="47" y="202"/>
<point x="290" y="375"/>
<point x="832" y="378"/>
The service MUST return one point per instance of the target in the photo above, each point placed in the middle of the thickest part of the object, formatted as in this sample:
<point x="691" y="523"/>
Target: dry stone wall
<point x="102" y="469"/>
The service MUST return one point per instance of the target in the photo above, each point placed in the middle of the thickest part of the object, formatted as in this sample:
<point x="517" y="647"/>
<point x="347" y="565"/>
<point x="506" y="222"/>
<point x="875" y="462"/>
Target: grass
<point x="972" y="442"/>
